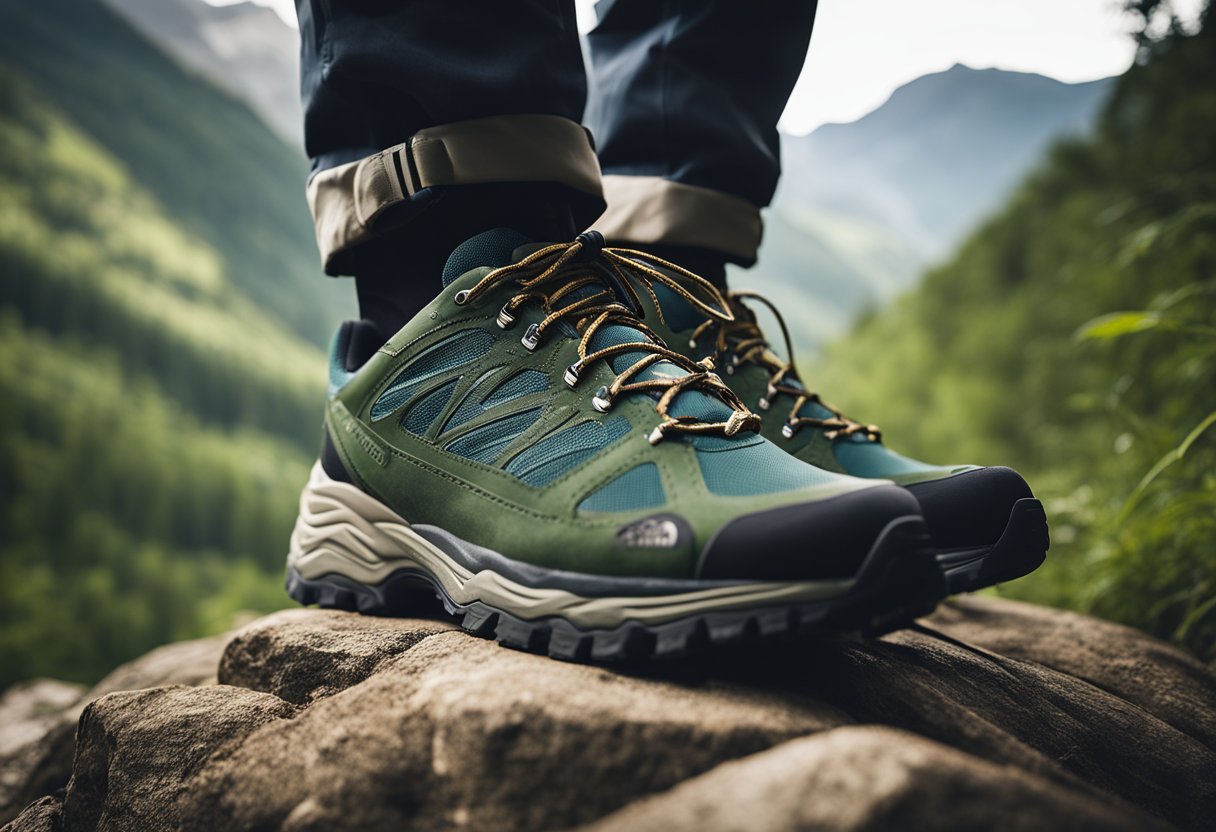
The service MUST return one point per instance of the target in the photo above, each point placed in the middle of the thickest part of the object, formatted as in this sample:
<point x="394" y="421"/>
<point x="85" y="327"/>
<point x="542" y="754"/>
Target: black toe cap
<point x="971" y="508"/>
<point x="822" y="540"/>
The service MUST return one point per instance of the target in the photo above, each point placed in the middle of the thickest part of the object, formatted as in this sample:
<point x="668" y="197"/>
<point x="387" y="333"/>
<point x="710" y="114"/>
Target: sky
<point x="862" y="50"/>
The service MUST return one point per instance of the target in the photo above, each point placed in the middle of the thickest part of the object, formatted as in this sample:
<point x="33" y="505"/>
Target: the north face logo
<point x="651" y="533"/>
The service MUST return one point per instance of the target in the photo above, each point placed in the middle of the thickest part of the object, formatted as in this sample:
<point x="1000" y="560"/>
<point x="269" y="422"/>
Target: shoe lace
<point x="582" y="283"/>
<point x="741" y="341"/>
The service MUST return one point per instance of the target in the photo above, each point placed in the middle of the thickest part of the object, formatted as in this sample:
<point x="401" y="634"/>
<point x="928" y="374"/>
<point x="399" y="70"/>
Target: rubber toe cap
<point x="823" y="540"/>
<point x="971" y="508"/>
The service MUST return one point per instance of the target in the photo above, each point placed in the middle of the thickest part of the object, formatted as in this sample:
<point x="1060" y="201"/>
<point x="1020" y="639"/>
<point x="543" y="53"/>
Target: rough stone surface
<point x="989" y="714"/>
<point x="38" y="720"/>
<point x="303" y="655"/>
<point x="43" y="815"/>
<point x="873" y="779"/>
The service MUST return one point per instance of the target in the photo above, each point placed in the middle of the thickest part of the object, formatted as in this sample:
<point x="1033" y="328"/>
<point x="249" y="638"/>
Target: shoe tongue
<point x="495" y="247"/>
<point x="499" y="247"/>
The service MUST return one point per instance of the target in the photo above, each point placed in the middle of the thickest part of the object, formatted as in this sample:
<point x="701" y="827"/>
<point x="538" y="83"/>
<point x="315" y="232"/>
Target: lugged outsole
<point x="899" y="582"/>
<point x="1021" y="549"/>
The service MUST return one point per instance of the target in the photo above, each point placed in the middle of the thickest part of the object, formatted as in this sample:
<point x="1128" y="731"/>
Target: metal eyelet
<point x="763" y="403"/>
<point x="572" y="373"/>
<point x="462" y="297"/>
<point x="656" y="435"/>
<point x="787" y="430"/>
<point x="531" y="339"/>
<point x="505" y="319"/>
<point x="602" y="400"/>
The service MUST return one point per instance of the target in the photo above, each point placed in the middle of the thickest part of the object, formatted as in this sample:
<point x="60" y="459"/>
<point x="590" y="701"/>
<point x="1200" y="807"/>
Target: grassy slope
<point x="982" y="362"/>
<point x="155" y="427"/>
<point x="214" y="167"/>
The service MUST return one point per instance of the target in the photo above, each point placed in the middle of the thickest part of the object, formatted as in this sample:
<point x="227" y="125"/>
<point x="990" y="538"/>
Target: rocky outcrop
<point x="989" y="714"/>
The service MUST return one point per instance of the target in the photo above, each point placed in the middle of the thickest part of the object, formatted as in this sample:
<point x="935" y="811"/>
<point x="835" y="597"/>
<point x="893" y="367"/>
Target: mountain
<point x="863" y="207"/>
<point x="1071" y="336"/>
<point x="161" y="309"/>
<point x="245" y="48"/>
<point x="209" y="162"/>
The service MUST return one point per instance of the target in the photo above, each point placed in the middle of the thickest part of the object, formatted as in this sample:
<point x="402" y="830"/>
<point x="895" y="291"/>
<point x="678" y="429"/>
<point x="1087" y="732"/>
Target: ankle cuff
<point x="648" y="210"/>
<point x="352" y="204"/>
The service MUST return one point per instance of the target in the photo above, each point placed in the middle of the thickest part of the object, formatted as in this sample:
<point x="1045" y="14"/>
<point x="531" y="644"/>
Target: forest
<point x="1073" y="336"/>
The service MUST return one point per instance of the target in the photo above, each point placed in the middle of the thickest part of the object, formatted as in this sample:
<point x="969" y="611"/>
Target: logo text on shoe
<point x="651" y="533"/>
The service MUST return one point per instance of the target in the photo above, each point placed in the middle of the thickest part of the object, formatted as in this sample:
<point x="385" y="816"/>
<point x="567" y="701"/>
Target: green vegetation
<point x="213" y="167"/>
<point x="1073" y="336"/>
<point x="156" y="427"/>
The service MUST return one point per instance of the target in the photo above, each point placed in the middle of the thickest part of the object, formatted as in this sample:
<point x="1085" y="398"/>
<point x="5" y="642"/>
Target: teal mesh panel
<point x="490" y="248"/>
<point x="338" y="374"/>
<point x="520" y="384"/>
<point x="427" y="409"/>
<point x="691" y="403"/>
<point x="471" y="407"/>
<point x="759" y="467"/>
<point x="636" y="489"/>
<point x="452" y="352"/>
<point x="871" y="459"/>
<point x="811" y="410"/>
<point x="560" y="452"/>
<point x="485" y="443"/>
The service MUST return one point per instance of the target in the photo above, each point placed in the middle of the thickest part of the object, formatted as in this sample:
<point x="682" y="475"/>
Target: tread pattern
<point x="900" y="582"/>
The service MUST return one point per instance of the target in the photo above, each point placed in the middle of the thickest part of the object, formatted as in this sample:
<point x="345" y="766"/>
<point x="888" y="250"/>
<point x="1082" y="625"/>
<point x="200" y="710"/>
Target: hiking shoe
<point x="986" y="524"/>
<point x="568" y="485"/>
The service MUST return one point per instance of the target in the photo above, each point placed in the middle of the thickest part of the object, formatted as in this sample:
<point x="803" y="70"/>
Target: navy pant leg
<point x="375" y="72"/>
<point x="689" y="92"/>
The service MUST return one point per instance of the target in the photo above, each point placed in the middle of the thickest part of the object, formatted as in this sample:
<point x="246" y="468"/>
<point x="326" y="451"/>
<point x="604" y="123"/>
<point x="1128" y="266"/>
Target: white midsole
<point x="342" y="530"/>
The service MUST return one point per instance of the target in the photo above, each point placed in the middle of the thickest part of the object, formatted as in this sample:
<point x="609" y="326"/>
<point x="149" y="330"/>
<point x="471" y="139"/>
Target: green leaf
<point x="1165" y="462"/>
<point x="1117" y="324"/>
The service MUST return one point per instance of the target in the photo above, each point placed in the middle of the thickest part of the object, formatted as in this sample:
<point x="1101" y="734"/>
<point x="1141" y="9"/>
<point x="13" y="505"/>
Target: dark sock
<point x="400" y="273"/>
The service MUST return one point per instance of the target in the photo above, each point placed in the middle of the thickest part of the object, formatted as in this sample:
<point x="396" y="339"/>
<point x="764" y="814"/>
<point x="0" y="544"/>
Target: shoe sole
<point x="351" y="552"/>
<point x="1020" y="550"/>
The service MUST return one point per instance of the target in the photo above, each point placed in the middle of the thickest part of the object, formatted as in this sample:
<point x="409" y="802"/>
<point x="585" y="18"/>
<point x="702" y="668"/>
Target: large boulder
<point x="38" y="719"/>
<point x="987" y="714"/>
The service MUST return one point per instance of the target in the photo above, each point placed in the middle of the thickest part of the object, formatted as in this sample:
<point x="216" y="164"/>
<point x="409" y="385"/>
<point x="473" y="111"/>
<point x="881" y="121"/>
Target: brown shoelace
<point x="556" y="277"/>
<point x="741" y="341"/>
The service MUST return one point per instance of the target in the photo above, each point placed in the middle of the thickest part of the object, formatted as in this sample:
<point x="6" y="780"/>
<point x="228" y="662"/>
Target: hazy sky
<point x="864" y="49"/>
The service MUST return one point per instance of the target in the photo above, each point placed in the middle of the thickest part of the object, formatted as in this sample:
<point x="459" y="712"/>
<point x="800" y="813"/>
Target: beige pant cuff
<point x="651" y="210"/>
<point x="352" y="204"/>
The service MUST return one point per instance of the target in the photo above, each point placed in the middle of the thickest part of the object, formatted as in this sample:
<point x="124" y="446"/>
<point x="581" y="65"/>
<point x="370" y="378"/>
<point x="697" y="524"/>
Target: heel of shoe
<point x="343" y="530"/>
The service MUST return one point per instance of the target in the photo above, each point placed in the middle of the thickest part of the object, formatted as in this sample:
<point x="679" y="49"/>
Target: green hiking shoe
<point x="986" y="524"/>
<point x="568" y="485"/>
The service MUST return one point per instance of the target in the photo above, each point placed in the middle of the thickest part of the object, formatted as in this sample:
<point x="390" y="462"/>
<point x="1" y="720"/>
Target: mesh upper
<point x="638" y="488"/>
<point x="456" y="350"/>
<point x="486" y="443"/>
<point x="565" y="449"/>
<point x="757" y="468"/>
<point x="427" y="408"/>
<point x="872" y="459"/>
<point x="490" y="248"/>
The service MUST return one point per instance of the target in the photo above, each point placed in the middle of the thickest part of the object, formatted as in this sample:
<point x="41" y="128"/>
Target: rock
<point x="868" y="778"/>
<point x="37" y="758"/>
<point x="28" y="709"/>
<point x="303" y="655"/>
<point x="138" y="753"/>
<point x="31" y="712"/>
<point x="1112" y="657"/>
<point x="328" y="720"/>
<point x="44" y="815"/>
<point x="458" y="731"/>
